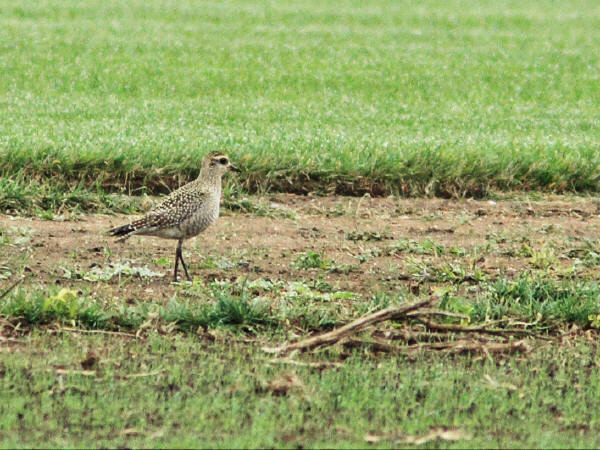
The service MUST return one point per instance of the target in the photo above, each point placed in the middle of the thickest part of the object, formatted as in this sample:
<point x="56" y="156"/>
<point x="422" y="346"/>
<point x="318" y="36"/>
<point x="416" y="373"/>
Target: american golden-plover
<point x="187" y="211"/>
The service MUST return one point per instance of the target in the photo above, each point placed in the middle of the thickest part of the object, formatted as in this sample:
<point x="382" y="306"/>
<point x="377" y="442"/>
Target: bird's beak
<point x="233" y="168"/>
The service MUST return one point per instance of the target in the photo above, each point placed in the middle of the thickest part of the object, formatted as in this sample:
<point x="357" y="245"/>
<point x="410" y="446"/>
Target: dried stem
<point x="471" y="329"/>
<point x="436" y="312"/>
<point x="117" y="333"/>
<point x="313" y="365"/>
<point x="460" y="346"/>
<point x="463" y="346"/>
<point x="331" y="337"/>
<point x="11" y="287"/>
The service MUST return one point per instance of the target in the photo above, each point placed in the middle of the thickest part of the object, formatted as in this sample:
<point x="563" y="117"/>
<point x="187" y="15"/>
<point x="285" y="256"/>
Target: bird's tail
<point x="136" y="227"/>
<point x="123" y="232"/>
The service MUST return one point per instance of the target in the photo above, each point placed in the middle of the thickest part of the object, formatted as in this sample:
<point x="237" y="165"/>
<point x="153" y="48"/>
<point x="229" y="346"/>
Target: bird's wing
<point x="173" y="210"/>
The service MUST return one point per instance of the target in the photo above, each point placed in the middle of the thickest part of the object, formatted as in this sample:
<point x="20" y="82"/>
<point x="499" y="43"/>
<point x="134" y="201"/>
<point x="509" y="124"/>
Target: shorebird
<point x="186" y="212"/>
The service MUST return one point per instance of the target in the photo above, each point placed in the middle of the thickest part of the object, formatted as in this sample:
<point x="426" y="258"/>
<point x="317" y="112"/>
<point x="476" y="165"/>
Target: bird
<point x="185" y="212"/>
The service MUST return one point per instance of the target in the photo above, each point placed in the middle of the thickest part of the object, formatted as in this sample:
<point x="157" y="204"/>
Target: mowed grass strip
<point x="165" y="390"/>
<point x="434" y="97"/>
<point x="108" y="391"/>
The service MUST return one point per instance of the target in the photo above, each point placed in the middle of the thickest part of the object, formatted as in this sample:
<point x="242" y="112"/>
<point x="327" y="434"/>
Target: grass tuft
<point x="228" y="310"/>
<point x="530" y="298"/>
<point x="534" y="296"/>
<point x="67" y="306"/>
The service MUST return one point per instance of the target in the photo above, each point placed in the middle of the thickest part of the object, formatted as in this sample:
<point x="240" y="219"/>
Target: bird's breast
<point x="201" y="219"/>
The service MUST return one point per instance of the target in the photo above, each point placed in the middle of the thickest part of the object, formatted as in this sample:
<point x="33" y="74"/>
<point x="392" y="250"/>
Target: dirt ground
<point x="358" y="238"/>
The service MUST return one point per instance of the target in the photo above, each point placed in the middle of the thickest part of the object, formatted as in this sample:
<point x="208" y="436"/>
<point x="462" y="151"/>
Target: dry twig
<point x="409" y="335"/>
<point x="144" y="374"/>
<point x="9" y="340"/>
<point x="313" y="365"/>
<point x="11" y="287"/>
<point x="61" y="371"/>
<point x="450" y="327"/>
<point x="436" y="312"/>
<point x="460" y="346"/>
<point x="464" y="346"/>
<point x="78" y="330"/>
<point x="331" y="337"/>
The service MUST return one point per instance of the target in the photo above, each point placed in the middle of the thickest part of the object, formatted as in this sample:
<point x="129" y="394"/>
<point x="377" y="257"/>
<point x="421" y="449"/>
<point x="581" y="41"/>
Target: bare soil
<point x="356" y="234"/>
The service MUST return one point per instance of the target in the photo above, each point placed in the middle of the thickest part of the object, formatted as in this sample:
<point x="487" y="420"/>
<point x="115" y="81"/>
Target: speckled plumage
<point x="184" y="213"/>
<point x="187" y="211"/>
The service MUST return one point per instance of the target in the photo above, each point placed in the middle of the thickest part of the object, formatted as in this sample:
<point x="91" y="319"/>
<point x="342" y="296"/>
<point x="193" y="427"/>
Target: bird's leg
<point x="185" y="268"/>
<point x="177" y="253"/>
<point x="179" y="257"/>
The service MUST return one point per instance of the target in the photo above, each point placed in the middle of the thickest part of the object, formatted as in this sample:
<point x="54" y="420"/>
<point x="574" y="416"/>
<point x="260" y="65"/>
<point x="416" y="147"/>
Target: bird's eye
<point x="223" y="160"/>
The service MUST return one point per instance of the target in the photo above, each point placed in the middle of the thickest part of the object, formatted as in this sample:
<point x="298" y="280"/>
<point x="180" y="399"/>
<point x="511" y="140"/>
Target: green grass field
<point x="169" y="391"/>
<point x="435" y="97"/>
<point x="103" y="102"/>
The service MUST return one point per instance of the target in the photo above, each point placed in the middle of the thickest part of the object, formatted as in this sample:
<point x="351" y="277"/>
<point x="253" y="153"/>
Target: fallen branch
<point x="464" y="346"/>
<point x="331" y="337"/>
<point x="78" y="330"/>
<point x="461" y="346"/>
<point x="420" y="336"/>
<point x="144" y="374"/>
<point x="375" y="345"/>
<point x="472" y="329"/>
<point x="85" y="373"/>
<point x="313" y="365"/>
<point x="11" y="287"/>
<point x="436" y="312"/>
<point x="10" y="340"/>
<point x="408" y="335"/>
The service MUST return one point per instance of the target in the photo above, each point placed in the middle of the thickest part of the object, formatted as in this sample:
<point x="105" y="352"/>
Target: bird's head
<point x="218" y="163"/>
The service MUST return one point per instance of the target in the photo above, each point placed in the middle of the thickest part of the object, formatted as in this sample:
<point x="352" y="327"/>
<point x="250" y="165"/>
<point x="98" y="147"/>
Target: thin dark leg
<point x="177" y="253"/>
<point x="185" y="268"/>
<point x="179" y="257"/>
